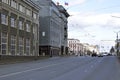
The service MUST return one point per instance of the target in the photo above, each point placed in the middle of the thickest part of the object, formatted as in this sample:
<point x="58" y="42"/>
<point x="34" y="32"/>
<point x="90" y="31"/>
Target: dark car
<point x="94" y="55"/>
<point x="100" y="55"/>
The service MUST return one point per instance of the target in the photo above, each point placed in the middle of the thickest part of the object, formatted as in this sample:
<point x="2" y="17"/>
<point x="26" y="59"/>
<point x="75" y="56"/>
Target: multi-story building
<point x="53" y="28"/>
<point x="88" y="49"/>
<point x="74" y="46"/>
<point x="77" y="48"/>
<point x="81" y="49"/>
<point x="19" y="22"/>
<point x="64" y="29"/>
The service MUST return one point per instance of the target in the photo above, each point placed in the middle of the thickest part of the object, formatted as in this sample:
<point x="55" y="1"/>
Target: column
<point x="8" y="35"/>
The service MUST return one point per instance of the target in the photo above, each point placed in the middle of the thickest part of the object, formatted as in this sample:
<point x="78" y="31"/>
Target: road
<point x="64" y="68"/>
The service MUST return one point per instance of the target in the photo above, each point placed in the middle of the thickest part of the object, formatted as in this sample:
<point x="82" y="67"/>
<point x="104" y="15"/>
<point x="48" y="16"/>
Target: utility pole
<point x="117" y="39"/>
<point x="117" y="44"/>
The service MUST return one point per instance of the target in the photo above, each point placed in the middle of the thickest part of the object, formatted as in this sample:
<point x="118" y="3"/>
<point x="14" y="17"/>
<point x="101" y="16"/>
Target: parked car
<point x="100" y="55"/>
<point x="104" y="54"/>
<point x="94" y="55"/>
<point x="109" y="54"/>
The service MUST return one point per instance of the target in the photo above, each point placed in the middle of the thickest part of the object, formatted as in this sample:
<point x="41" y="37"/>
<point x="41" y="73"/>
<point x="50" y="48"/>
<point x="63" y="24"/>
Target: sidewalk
<point x="20" y="59"/>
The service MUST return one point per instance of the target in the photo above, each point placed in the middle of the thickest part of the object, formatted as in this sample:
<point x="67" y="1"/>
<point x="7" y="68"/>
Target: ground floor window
<point x="13" y="44"/>
<point x="28" y="46"/>
<point x="4" y="19"/>
<point x="21" y="46"/>
<point x="3" y="43"/>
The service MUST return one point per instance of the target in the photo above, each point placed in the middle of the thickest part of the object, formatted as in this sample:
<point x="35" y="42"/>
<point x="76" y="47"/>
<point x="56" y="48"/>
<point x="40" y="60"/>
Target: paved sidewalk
<point x="13" y="60"/>
<point x="18" y="59"/>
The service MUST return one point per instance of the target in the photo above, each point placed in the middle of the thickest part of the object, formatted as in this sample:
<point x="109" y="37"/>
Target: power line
<point x="107" y="40"/>
<point x="106" y="7"/>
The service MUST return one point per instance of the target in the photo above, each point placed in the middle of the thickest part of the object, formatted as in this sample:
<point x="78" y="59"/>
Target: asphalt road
<point x="64" y="68"/>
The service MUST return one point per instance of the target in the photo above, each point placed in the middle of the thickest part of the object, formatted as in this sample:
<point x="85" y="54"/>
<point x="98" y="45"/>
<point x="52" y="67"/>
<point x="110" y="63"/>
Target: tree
<point x="89" y="52"/>
<point x="112" y="49"/>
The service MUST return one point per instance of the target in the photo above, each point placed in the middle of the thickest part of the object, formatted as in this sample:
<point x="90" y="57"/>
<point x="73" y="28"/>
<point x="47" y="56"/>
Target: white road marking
<point x="16" y="73"/>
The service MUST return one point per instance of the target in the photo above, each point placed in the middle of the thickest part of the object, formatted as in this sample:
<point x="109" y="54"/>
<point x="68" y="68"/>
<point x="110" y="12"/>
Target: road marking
<point x="16" y="73"/>
<point x="29" y="70"/>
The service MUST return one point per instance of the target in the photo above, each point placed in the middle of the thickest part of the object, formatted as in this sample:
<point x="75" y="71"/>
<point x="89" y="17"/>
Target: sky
<point x="93" y="21"/>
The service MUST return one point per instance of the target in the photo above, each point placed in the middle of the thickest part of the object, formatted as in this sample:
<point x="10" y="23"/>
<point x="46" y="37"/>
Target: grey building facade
<point x="19" y="22"/>
<point x="64" y="26"/>
<point x="52" y="26"/>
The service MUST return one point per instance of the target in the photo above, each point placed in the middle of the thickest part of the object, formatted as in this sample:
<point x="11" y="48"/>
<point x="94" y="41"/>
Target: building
<point x="19" y="22"/>
<point x="53" y="28"/>
<point x="74" y="46"/>
<point x="90" y="48"/>
<point x="77" y="48"/>
<point x="64" y="29"/>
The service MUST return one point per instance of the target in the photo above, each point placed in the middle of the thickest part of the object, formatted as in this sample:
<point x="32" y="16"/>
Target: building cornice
<point x="63" y="10"/>
<point x="32" y="4"/>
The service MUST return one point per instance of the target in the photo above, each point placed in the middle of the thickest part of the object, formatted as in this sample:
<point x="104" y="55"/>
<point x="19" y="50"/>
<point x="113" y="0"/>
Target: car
<point x="100" y="55"/>
<point x="104" y="54"/>
<point x="94" y="55"/>
<point x="109" y="54"/>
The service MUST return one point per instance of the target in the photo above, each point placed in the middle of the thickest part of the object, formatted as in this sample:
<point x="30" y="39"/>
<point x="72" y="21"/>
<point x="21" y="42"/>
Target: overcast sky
<point x="91" y="20"/>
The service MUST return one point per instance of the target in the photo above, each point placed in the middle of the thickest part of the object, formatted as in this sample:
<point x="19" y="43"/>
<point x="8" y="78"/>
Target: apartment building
<point x="19" y="24"/>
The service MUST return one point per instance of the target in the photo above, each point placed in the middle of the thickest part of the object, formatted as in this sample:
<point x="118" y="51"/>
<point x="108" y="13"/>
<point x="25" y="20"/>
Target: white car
<point x="104" y="54"/>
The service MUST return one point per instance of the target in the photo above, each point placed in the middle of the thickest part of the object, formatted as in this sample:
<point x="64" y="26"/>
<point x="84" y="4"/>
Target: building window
<point x="21" y="8"/>
<point x="27" y="46"/>
<point x="13" y="43"/>
<point x="5" y="1"/>
<point x="28" y="12"/>
<point x="14" y="4"/>
<point x="43" y="34"/>
<point x="27" y="27"/>
<point x="35" y="29"/>
<point x="12" y="22"/>
<point x="35" y="32"/>
<point x="20" y="24"/>
<point x="34" y="15"/>
<point x="21" y="45"/>
<point x="3" y="43"/>
<point x="4" y="19"/>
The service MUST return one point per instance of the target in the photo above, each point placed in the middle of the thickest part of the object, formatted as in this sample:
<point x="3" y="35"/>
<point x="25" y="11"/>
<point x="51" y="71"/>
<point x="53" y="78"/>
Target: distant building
<point x="90" y="48"/>
<point x="74" y="46"/>
<point x="53" y="28"/>
<point x="19" y="22"/>
<point x="77" y="48"/>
